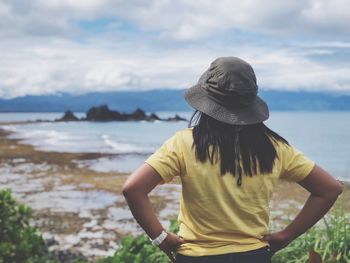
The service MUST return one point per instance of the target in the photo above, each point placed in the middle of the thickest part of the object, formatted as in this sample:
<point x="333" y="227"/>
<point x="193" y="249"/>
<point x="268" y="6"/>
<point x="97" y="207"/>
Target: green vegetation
<point x="139" y="250"/>
<point x="21" y="243"/>
<point x="330" y="239"/>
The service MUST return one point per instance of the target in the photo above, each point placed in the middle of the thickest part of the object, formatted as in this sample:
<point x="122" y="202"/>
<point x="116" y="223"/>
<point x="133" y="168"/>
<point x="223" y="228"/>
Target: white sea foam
<point x="120" y="163"/>
<point x="50" y="140"/>
<point x="55" y="137"/>
<point x="9" y="127"/>
<point x="121" y="147"/>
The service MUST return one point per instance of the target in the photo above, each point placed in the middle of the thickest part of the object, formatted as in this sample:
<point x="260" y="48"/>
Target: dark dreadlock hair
<point x="243" y="149"/>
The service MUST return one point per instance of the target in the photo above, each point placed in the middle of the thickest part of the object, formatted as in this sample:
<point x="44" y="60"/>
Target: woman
<point x="229" y="163"/>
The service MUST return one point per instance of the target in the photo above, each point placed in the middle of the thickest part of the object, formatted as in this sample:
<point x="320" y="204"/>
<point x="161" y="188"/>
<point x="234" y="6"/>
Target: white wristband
<point x="159" y="239"/>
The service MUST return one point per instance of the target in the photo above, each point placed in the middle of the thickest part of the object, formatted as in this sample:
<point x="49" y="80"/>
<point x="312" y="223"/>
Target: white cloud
<point x="292" y="45"/>
<point x="185" y="19"/>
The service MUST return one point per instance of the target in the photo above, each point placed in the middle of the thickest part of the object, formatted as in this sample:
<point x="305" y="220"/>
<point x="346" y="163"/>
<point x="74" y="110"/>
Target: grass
<point x="330" y="238"/>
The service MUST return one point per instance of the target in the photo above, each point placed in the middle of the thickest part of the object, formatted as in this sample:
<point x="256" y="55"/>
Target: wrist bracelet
<point x="159" y="239"/>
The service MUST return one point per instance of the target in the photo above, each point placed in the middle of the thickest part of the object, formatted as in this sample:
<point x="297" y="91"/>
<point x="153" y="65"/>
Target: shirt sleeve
<point x="167" y="159"/>
<point x="295" y="165"/>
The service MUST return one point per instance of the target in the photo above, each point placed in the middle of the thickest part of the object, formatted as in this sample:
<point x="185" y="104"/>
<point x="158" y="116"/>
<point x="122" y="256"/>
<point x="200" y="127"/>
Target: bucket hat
<point x="227" y="92"/>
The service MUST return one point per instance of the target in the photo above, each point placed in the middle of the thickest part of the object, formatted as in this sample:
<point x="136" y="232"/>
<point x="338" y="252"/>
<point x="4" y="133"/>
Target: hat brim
<point x="257" y="111"/>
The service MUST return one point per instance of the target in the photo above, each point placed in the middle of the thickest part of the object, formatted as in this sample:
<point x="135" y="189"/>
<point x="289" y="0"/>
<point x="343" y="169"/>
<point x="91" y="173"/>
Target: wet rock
<point x="67" y="256"/>
<point x="51" y="242"/>
<point x="176" y="118"/>
<point x="138" y="114"/>
<point x="68" y="116"/>
<point x="103" y="113"/>
<point x="154" y="117"/>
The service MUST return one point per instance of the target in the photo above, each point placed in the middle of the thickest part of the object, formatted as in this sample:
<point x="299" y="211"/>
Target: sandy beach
<point x="83" y="211"/>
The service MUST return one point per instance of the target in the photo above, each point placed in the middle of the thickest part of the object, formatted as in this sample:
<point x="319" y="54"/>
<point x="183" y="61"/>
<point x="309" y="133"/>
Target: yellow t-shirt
<point x="217" y="216"/>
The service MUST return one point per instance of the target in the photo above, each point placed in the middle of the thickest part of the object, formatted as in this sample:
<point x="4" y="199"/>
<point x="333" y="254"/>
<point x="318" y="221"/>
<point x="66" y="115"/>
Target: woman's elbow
<point x="130" y="190"/>
<point x="322" y="184"/>
<point x="335" y="190"/>
<point x="338" y="189"/>
<point x="127" y="189"/>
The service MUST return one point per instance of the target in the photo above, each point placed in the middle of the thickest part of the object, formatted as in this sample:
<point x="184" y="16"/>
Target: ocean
<point x="322" y="136"/>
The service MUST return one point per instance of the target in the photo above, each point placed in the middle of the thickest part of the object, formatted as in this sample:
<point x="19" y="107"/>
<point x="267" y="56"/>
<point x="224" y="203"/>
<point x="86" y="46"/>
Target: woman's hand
<point x="277" y="240"/>
<point x="170" y="245"/>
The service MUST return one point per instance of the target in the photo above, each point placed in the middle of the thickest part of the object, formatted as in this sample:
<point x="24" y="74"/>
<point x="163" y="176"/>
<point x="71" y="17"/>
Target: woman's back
<point x="216" y="214"/>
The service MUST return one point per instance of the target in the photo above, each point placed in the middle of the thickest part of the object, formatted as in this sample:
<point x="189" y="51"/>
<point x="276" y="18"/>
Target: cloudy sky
<point x="79" y="46"/>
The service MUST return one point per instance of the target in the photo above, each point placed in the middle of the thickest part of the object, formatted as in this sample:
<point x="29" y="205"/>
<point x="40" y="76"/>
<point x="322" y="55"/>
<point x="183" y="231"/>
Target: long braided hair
<point x="241" y="149"/>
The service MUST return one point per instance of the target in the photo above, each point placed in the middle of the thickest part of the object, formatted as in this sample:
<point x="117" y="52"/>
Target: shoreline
<point x="77" y="209"/>
<point x="83" y="210"/>
<point x="109" y="156"/>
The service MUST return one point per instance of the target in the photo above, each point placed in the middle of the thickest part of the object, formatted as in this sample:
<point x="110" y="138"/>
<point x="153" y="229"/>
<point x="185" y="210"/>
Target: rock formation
<point x="103" y="113"/>
<point x="68" y="116"/>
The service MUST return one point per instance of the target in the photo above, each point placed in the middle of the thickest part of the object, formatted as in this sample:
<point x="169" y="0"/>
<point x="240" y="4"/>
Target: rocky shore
<point x="79" y="211"/>
<point x="82" y="213"/>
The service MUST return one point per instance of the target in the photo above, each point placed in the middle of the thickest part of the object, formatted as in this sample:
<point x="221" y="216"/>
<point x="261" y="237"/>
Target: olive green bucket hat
<point x="227" y="92"/>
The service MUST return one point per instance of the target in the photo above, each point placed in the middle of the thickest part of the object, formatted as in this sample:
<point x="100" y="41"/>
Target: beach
<point x="76" y="209"/>
<point x="82" y="210"/>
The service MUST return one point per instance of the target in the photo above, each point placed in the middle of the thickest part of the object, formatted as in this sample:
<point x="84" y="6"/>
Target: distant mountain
<point x="166" y="100"/>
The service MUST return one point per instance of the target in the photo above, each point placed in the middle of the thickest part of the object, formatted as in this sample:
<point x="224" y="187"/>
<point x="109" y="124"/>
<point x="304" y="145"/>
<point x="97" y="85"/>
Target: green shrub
<point x="19" y="241"/>
<point x="139" y="250"/>
<point x="330" y="239"/>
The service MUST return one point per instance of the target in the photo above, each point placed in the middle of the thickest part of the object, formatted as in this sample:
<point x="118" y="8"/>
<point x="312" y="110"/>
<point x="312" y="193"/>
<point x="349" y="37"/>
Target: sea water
<point x="322" y="136"/>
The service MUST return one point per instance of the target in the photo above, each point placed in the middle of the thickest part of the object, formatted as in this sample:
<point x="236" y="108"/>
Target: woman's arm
<point x="324" y="191"/>
<point x="136" y="190"/>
